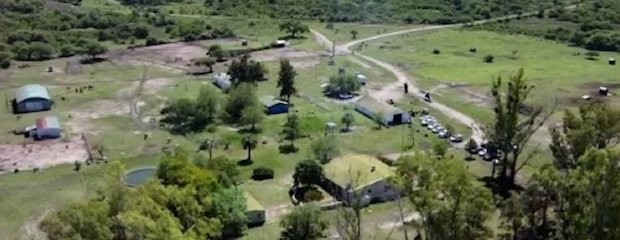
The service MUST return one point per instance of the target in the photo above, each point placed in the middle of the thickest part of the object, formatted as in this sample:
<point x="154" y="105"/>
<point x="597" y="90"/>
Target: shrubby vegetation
<point x="188" y="202"/>
<point x="421" y="11"/>
<point x="593" y="25"/>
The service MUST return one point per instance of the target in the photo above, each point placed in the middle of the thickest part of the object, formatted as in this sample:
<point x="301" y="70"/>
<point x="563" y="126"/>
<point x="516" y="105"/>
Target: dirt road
<point x="392" y="91"/>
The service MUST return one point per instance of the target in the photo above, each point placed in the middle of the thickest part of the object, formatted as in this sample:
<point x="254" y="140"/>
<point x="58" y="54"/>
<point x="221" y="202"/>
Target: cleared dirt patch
<point x="277" y="54"/>
<point x="176" y="55"/>
<point x="42" y="154"/>
<point x="81" y="120"/>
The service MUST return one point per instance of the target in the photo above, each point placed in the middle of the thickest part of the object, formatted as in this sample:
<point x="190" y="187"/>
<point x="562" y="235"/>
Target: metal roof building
<point x="273" y="105"/>
<point x="390" y="115"/>
<point x="31" y="98"/>
<point x="46" y="128"/>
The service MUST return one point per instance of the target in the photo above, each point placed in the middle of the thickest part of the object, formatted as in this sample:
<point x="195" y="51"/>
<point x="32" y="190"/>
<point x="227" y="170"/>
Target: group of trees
<point x="423" y="11"/>
<point x="188" y="201"/>
<point x="591" y="25"/>
<point x="342" y="83"/>
<point x="192" y="115"/>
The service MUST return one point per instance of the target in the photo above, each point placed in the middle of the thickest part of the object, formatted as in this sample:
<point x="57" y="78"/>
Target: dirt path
<point x="393" y="91"/>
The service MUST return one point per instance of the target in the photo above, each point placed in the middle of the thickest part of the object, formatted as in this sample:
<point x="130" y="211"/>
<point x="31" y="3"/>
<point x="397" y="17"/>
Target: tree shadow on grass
<point x="494" y="185"/>
<point x="245" y="162"/>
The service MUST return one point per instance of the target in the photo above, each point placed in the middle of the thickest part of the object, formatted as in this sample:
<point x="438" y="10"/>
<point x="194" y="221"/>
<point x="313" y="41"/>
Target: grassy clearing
<point x="556" y="70"/>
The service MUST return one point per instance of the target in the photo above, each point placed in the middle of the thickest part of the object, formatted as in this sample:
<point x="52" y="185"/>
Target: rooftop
<point x="359" y="169"/>
<point x="377" y="106"/>
<point x="31" y="91"/>
<point x="269" y="100"/>
<point x="252" y="204"/>
<point x="47" y="122"/>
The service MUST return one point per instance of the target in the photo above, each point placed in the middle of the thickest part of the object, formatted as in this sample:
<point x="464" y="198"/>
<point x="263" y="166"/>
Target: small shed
<point x="222" y="81"/>
<point x="46" y="128"/>
<point x="273" y="105"/>
<point x="612" y="61"/>
<point x="603" y="91"/>
<point x="254" y="211"/>
<point x="31" y="98"/>
<point x="361" y="78"/>
<point x="389" y="114"/>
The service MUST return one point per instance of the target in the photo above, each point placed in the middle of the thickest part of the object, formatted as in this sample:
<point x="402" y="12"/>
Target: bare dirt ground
<point x="81" y="120"/>
<point x="176" y="55"/>
<point x="42" y="154"/>
<point x="277" y="54"/>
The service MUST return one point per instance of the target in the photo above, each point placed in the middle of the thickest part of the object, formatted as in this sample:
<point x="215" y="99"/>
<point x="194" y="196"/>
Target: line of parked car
<point x="435" y="126"/>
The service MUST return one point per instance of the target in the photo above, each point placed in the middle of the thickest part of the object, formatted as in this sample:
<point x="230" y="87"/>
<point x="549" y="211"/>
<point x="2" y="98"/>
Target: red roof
<point x="47" y="122"/>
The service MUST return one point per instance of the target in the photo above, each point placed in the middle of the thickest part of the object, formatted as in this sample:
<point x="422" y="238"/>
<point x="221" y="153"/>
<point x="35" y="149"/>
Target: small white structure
<point x="603" y="91"/>
<point x="586" y="97"/>
<point x="222" y="81"/>
<point x="361" y="78"/>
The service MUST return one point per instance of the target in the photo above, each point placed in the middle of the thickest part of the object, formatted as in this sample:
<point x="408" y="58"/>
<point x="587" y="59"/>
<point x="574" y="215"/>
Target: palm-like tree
<point x="249" y="142"/>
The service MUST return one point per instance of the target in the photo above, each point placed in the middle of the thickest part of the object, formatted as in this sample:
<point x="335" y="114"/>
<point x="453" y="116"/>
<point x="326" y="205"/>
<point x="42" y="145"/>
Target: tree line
<point x="592" y="25"/>
<point x="32" y="32"/>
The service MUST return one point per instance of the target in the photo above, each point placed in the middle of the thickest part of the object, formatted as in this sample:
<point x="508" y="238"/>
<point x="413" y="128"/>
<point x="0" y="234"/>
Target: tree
<point x="186" y="115"/>
<point x="342" y="83"/>
<point x="246" y="71"/>
<point x="594" y="126"/>
<point x="230" y="208"/>
<point x="68" y="51"/>
<point x="348" y="119"/>
<point x="5" y="60"/>
<point x="262" y="173"/>
<point x="226" y="170"/>
<point x="207" y="62"/>
<point x="440" y="148"/>
<point x="93" y="49"/>
<point x="291" y="129"/>
<point x="286" y="80"/>
<point x="512" y="216"/>
<point x="303" y="223"/>
<point x="513" y="127"/>
<point x="451" y="203"/>
<point x="252" y="115"/>
<point x="471" y="146"/>
<point x="293" y="27"/>
<point x="239" y="98"/>
<point x="217" y="52"/>
<point x="141" y="31"/>
<point x="325" y="148"/>
<point x="354" y="34"/>
<point x="41" y="51"/>
<point x="308" y="172"/>
<point x="249" y="142"/>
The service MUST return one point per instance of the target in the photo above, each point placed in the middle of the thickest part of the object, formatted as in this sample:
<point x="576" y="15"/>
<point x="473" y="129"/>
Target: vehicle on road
<point x="456" y="138"/>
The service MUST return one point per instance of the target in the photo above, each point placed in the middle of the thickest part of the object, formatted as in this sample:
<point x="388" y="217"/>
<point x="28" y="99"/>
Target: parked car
<point x="456" y="138"/>
<point x="444" y="134"/>
<point x="423" y="123"/>
<point x="438" y="129"/>
<point x="481" y="152"/>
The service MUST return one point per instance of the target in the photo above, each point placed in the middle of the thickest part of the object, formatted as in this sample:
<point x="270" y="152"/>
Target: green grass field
<point x="341" y="32"/>
<point x="557" y="71"/>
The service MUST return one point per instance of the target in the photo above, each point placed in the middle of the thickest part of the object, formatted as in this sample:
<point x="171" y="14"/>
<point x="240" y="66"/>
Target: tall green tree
<point x="240" y="98"/>
<point x="513" y="127"/>
<point x="293" y="27"/>
<point x="354" y="34"/>
<point x="286" y="79"/>
<point x="249" y="142"/>
<point x="93" y="49"/>
<point x="252" y="115"/>
<point x="291" y="128"/>
<point x="342" y="83"/>
<point x="451" y="203"/>
<point x="186" y="115"/>
<point x="440" y="148"/>
<point x="304" y="223"/>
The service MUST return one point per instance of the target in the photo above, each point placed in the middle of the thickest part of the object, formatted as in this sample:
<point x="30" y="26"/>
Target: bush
<point x="473" y="50"/>
<point x="287" y="148"/>
<point x="262" y="173"/>
<point x="313" y="195"/>
<point x="592" y="55"/>
<point x="436" y="51"/>
<point x="489" y="58"/>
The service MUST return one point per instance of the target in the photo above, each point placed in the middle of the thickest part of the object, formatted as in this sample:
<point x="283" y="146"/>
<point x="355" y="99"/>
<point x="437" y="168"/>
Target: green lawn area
<point x="341" y="32"/>
<point x="557" y="71"/>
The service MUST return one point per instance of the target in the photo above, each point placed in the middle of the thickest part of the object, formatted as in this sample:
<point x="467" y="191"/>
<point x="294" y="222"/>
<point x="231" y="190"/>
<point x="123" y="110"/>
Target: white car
<point x="456" y="138"/>
<point x="482" y="152"/>
<point x="444" y="134"/>
<point x="437" y="129"/>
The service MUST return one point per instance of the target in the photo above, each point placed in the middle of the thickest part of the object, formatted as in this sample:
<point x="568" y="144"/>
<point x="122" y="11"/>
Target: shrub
<point x="436" y="51"/>
<point x="592" y="55"/>
<point x="262" y="173"/>
<point x="489" y="58"/>
<point x="313" y="195"/>
<point x="473" y="50"/>
<point x="150" y="41"/>
<point x="287" y="148"/>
